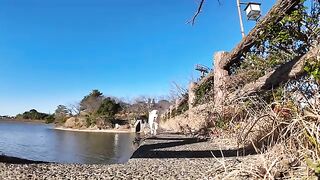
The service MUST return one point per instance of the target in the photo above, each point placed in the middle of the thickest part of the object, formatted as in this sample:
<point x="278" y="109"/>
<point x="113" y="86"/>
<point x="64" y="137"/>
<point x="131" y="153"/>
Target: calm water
<point x="41" y="142"/>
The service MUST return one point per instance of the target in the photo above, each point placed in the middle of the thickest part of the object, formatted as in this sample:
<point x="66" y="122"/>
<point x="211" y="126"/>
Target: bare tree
<point x="74" y="108"/>
<point x="177" y="91"/>
<point x="199" y="9"/>
<point x="61" y="113"/>
<point x="92" y="102"/>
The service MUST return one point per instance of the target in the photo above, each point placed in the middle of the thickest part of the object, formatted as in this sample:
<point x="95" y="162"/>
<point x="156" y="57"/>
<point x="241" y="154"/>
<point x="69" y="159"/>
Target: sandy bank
<point x="95" y="130"/>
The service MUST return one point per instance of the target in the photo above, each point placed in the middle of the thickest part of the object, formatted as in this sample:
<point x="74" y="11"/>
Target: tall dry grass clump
<point x="283" y="127"/>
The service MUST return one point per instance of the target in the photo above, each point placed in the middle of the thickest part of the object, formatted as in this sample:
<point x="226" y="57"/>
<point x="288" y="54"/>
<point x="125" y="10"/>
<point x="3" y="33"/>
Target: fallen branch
<point x="287" y="71"/>
<point x="278" y="11"/>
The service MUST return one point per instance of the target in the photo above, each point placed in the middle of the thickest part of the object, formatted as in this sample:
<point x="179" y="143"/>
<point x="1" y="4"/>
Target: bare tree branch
<point x="177" y="91"/>
<point x="192" y="21"/>
<point x="74" y="108"/>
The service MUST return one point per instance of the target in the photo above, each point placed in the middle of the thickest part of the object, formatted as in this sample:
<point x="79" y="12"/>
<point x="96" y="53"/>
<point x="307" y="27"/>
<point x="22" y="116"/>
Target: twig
<point x="192" y="21"/>
<point x="270" y="168"/>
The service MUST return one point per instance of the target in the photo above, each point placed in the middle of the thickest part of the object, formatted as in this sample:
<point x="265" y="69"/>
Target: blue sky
<point x="56" y="51"/>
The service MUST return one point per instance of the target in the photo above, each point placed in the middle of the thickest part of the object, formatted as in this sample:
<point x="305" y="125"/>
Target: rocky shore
<point x="163" y="157"/>
<point x="134" y="169"/>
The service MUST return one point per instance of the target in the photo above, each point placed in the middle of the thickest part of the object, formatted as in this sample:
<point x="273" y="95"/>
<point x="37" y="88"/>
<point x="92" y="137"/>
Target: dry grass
<point x="284" y="131"/>
<point x="285" y="136"/>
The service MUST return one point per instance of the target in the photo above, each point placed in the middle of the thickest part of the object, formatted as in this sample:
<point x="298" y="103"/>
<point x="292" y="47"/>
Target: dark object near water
<point x="15" y="160"/>
<point x="138" y="127"/>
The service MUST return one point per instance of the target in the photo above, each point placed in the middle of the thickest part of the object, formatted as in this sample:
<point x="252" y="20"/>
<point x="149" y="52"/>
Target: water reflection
<point x="41" y="142"/>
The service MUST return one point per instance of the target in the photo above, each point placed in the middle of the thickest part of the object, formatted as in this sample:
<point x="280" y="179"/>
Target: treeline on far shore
<point x="97" y="111"/>
<point x="35" y="115"/>
<point x="32" y="115"/>
<point x="7" y="117"/>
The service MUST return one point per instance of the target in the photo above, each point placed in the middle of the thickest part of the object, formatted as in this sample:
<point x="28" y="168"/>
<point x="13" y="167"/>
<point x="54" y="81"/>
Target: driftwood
<point x="277" y="12"/>
<point x="290" y="70"/>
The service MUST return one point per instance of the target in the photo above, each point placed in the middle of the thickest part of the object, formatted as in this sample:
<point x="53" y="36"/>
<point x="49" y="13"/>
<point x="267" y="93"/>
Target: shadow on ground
<point x="15" y="160"/>
<point x="155" y="150"/>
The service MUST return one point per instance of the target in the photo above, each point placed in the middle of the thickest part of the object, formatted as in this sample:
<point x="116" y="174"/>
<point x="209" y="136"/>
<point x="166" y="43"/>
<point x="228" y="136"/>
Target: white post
<point x="240" y="18"/>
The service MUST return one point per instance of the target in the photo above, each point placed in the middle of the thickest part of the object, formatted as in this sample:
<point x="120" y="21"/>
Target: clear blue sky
<point x="56" y="51"/>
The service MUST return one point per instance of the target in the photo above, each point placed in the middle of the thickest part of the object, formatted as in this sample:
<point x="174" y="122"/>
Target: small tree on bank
<point x="109" y="108"/>
<point x="92" y="102"/>
<point x="61" y="114"/>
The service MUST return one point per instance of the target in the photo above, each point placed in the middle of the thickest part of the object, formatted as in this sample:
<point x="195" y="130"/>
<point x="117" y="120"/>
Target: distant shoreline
<point x="95" y="130"/>
<point x="24" y="121"/>
<point x="70" y="129"/>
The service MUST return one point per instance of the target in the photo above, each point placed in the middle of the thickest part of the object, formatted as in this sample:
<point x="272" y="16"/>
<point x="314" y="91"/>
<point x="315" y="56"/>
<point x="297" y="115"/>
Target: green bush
<point x="312" y="67"/>
<point x="109" y="108"/>
<point x="49" y="119"/>
<point x="204" y="92"/>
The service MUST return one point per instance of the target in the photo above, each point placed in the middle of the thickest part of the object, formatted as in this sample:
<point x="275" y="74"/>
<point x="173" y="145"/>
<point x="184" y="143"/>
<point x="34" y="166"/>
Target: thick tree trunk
<point x="278" y="11"/>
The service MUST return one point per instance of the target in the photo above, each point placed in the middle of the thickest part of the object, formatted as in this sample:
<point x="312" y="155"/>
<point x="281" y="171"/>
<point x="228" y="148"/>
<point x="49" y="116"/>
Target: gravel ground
<point x="134" y="169"/>
<point x="164" y="157"/>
